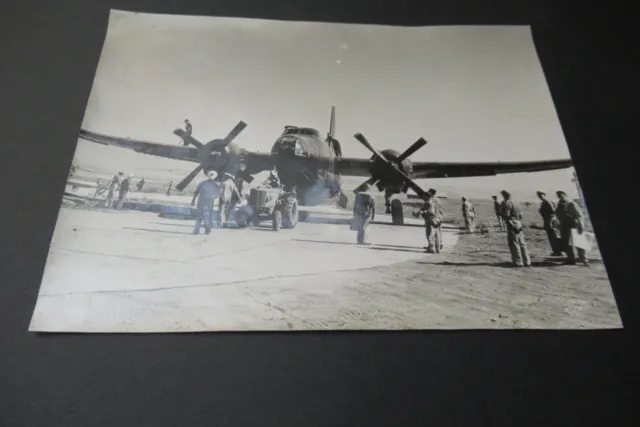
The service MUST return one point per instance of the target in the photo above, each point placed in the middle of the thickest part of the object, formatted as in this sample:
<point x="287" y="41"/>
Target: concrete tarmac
<point x="128" y="271"/>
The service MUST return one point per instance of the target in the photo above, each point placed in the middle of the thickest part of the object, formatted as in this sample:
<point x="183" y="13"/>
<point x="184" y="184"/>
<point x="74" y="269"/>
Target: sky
<point x="474" y="93"/>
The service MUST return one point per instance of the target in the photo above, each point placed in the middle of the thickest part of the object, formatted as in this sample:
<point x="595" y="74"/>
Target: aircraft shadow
<point x="157" y="231"/>
<point x="501" y="264"/>
<point x="375" y="246"/>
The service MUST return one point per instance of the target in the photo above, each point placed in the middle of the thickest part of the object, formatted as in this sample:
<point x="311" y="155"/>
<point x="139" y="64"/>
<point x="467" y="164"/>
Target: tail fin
<point x="332" y="123"/>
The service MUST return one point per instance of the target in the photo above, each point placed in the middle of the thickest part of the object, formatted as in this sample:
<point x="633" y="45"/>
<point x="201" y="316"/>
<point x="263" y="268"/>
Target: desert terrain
<point x="128" y="271"/>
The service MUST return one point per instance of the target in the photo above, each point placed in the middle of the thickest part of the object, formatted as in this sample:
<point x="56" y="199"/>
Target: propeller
<point x="205" y="151"/>
<point x="391" y="168"/>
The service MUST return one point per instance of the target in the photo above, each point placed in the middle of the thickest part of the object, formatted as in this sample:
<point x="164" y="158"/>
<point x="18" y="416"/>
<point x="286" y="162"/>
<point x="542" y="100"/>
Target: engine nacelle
<point x="387" y="181"/>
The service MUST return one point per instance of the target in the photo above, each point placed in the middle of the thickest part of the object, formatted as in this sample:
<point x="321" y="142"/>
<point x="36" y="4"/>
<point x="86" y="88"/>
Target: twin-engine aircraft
<point x="314" y="166"/>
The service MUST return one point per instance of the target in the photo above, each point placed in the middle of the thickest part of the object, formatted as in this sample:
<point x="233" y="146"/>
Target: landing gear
<point x="397" y="214"/>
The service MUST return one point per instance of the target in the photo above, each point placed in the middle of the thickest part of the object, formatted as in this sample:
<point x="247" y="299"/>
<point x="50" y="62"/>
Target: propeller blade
<point x="415" y="147"/>
<point x="360" y="137"/>
<point x="188" y="138"/>
<point x="187" y="180"/>
<point x="370" y="181"/>
<point x="234" y="132"/>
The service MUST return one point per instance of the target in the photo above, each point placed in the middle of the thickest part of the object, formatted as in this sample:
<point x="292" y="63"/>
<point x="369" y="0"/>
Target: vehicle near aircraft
<point x="270" y="204"/>
<point x="313" y="167"/>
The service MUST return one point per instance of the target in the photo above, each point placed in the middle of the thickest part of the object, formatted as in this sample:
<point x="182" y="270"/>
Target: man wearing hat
<point x="207" y="192"/>
<point x="432" y="214"/>
<point x="515" y="232"/>
<point x="497" y="209"/>
<point x="550" y="222"/>
<point x="228" y="197"/>
<point x="570" y="217"/>
<point x="364" y="211"/>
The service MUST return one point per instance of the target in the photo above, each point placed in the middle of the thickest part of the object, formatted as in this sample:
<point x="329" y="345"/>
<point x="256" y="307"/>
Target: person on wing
<point x="188" y="130"/>
<point x="469" y="215"/>
<point x="364" y="211"/>
<point x="570" y="217"/>
<point x="206" y="192"/>
<point x="550" y="223"/>
<point x="497" y="209"/>
<point x="515" y="232"/>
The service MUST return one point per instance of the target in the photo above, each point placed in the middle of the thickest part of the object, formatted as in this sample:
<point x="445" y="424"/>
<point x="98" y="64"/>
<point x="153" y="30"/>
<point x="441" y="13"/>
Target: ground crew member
<point x="140" y="184"/>
<point x="228" y="193"/>
<point x="469" y="215"/>
<point x="439" y="213"/>
<point x="497" y="208"/>
<point x="550" y="223"/>
<point x="570" y="217"/>
<point x="273" y="181"/>
<point x="188" y="129"/>
<point x="206" y="192"/>
<point x="364" y="211"/>
<point x="430" y="211"/>
<point x="125" y="186"/>
<point x="515" y="232"/>
<point x="170" y="188"/>
<point x="114" y="185"/>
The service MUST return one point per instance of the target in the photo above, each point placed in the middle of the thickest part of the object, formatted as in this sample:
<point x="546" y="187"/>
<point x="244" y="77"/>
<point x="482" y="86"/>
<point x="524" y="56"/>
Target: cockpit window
<point x="294" y="130"/>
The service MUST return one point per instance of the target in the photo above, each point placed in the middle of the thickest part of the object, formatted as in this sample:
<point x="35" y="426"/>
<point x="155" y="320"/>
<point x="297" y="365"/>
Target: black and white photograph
<point x="236" y="174"/>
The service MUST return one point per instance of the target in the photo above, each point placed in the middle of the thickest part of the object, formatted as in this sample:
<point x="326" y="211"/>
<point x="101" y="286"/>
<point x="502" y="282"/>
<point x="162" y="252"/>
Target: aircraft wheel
<point x="397" y="215"/>
<point x="277" y="220"/>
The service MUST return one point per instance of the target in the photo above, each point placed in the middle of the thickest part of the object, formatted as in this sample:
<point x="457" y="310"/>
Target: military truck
<point x="267" y="203"/>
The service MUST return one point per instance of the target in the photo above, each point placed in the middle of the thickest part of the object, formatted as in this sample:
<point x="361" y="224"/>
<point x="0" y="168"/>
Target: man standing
<point x="114" y="185"/>
<point x="550" y="222"/>
<point x="515" y="232"/>
<point x="228" y="193"/>
<point x="141" y="184"/>
<point x="125" y="186"/>
<point x="188" y="129"/>
<point x="364" y="211"/>
<point x="497" y="208"/>
<point x="431" y="213"/>
<point x="570" y="217"/>
<point x="170" y="188"/>
<point x="207" y="192"/>
<point x="469" y="215"/>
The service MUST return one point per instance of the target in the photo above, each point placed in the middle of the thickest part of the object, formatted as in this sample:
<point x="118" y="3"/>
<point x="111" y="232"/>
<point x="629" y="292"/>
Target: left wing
<point x="146" y="147"/>
<point x="363" y="167"/>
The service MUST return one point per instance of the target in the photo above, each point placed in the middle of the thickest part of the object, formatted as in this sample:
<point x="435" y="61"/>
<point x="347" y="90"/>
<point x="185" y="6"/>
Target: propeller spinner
<point x="390" y="167"/>
<point x="205" y="151"/>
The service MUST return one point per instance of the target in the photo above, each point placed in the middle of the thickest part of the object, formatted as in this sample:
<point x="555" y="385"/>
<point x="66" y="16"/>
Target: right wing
<point x="188" y="154"/>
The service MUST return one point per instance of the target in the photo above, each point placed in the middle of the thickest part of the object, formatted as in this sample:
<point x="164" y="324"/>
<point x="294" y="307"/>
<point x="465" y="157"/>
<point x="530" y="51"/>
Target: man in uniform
<point x="125" y="186"/>
<point x="497" y="208"/>
<point x="188" y="129"/>
<point x="228" y="194"/>
<point x="170" y="188"/>
<point x="364" y="211"/>
<point x="550" y="222"/>
<point x="515" y="232"/>
<point x="140" y="184"/>
<point x="432" y="214"/>
<point x="114" y="185"/>
<point x="207" y="192"/>
<point x="570" y="217"/>
<point x="469" y="215"/>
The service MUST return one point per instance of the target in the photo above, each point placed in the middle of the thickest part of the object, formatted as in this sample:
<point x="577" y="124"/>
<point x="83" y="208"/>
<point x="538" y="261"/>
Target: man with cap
<point x="114" y="185"/>
<point x="469" y="215"/>
<point x="570" y="217"/>
<point x="432" y="214"/>
<point x="364" y="211"/>
<point x="228" y="196"/>
<point x="515" y="232"/>
<point x="497" y="209"/>
<point x="206" y="192"/>
<point x="125" y="186"/>
<point x="550" y="222"/>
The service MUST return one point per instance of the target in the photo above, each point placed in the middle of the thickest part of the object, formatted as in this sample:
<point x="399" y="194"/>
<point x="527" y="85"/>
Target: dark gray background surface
<point x="48" y="56"/>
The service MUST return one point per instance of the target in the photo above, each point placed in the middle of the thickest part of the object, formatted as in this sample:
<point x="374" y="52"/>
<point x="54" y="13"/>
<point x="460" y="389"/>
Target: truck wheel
<point x="290" y="217"/>
<point x="277" y="219"/>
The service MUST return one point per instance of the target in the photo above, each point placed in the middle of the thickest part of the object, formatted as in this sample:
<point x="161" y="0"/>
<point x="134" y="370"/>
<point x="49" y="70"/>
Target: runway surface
<point x="127" y="271"/>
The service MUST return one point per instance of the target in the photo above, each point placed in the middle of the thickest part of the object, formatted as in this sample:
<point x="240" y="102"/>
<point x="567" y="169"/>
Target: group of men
<point x="559" y="221"/>
<point x="224" y="191"/>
